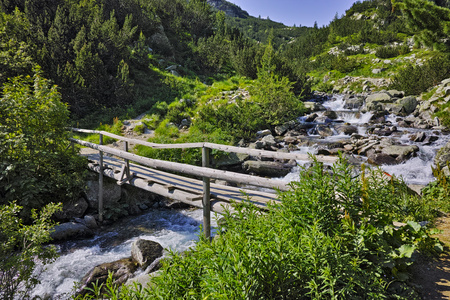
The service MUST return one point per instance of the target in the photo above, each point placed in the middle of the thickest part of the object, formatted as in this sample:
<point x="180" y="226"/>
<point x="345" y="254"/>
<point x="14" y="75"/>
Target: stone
<point x="232" y="159"/>
<point x="396" y="94"/>
<point x="381" y="159"/>
<point x="282" y="129"/>
<point x="311" y="118"/>
<point x="269" y="141"/>
<point x="330" y="114"/>
<point x="267" y="168"/>
<point x="72" y="209"/>
<point x="353" y="102"/>
<point x="144" y="252"/>
<point x="263" y="133"/>
<point x="400" y="150"/>
<point x="313" y="106"/>
<point x="90" y="222"/>
<point x="70" y="230"/>
<point x="324" y="130"/>
<point x="378" y="71"/>
<point x="408" y="104"/>
<point x="382" y="97"/>
<point x="121" y="270"/>
<point x="346" y="129"/>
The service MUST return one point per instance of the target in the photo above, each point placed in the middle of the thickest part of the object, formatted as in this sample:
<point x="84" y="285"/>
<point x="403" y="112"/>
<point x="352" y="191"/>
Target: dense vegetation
<point x="331" y="238"/>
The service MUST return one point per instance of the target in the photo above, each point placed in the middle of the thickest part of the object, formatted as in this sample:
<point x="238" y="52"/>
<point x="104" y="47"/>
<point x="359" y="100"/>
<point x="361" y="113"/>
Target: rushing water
<point x="417" y="170"/>
<point x="173" y="229"/>
<point x="178" y="230"/>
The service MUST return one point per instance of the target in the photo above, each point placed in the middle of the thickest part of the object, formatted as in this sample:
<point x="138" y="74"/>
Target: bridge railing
<point x="205" y="171"/>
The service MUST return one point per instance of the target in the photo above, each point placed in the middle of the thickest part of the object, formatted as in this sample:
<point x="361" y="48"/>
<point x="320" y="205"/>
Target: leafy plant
<point x="36" y="164"/>
<point x="22" y="248"/>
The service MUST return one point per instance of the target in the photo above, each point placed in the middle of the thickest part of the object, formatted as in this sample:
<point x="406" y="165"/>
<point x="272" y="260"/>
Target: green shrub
<point x="414" y="80"/>
<point x="391" y="51"/>
<point x="36" y="164"/>
<point x="22" y="248"/>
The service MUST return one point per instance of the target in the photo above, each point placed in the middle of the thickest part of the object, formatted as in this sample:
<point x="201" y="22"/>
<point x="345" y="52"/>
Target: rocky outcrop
<point x="228" y="8"/>
<point x="442" y="159"/>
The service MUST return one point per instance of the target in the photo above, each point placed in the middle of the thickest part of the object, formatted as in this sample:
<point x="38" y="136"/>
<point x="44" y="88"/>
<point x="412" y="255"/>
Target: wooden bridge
<point x="145" y="173"/>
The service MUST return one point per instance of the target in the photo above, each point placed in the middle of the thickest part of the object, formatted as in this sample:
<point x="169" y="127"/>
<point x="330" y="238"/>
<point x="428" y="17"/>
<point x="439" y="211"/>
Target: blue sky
<point x="298" y="12"/>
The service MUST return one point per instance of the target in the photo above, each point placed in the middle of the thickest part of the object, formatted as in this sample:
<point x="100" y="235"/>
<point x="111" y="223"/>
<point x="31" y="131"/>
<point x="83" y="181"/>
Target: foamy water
<point x="176" y="230"/>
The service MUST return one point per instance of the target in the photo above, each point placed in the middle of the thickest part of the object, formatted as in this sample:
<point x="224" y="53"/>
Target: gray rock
<point x="330" y="114"/>
<point x="229" y="160"/>
<point x="121" y="270"/>
<point x="381" y="97"/>
<point x="324" y="130"/>
<point x="346" y="129"/>
<point x="396" y="94"/>
<point x="408" y="104"/>
<point x="378" y="71"/>
<point x="313" y="106"/>
<point x="264" y="132"/>
<point x="72" y="209"/>
<point x="353" y="102"/>
<point x="400" y="150"/>
<point x="70" y="230"/>
<point x="269" y="141"/>
<point x="282" y="129"/>
<point x="90" y="222"/>
<point x="381" y="159"/>
<point x="267" y="168"/>
<point x="144" y="252"/>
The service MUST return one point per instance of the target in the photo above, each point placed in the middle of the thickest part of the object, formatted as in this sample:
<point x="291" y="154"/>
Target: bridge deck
<point x="184" y="189"/>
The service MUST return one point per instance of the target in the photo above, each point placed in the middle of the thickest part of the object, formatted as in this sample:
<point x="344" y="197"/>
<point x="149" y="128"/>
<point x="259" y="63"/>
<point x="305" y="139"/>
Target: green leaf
<point x="406" y="250"/>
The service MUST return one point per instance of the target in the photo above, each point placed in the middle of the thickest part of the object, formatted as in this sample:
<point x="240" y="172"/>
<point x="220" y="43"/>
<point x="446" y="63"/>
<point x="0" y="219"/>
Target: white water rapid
<point x="173" y="229"/>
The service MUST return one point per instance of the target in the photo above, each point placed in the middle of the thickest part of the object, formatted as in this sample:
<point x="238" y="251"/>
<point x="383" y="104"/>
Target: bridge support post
<point x="127" y="161"/>
<point x="206" y="196"/>
<point x="100" y="184"/>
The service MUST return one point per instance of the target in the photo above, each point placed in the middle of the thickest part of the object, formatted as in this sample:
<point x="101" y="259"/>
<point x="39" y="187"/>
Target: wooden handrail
<point x="188" y="169"/>
<point x="225" y="148"/>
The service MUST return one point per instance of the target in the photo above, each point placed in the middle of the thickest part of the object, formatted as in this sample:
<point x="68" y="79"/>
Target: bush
<point x="21" y="248"/>
<point x="390" y="51"/>
<point x="36" y="164"/>
<point x="414" y="80"/>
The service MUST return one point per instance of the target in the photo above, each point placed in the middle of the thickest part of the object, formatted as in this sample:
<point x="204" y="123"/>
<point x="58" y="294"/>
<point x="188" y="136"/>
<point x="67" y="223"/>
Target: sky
<point x="298" y="12"/>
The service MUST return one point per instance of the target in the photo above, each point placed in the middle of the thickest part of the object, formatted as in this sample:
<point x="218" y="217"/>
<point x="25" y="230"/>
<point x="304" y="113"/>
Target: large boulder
<point x="346" y="129"/>
<point x="121" y="270"/>
<point x="381" y="159"/>
<point x="72" y="209"/>
<point x="232" y="159"/>
<point x="381" y="97"/>
<point x="353" y="101"/>
<point x="400" y="150"/>
<point x="267" y="168"/>
<point x="144" y="252"/>
<point x="408" y="104"/>
<point x="70" y="230"/>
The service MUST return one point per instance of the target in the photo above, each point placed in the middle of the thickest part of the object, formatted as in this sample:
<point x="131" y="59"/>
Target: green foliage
<point x="36" y="164"/>
<point x="331" y="237"/>
<point x="444" y="114"/>
<point x="429" y="22"/>
<point x="417" y="79"/>
<point x="389" y="51"/>
<point x="22" y="248"/>
<point x="438" y="192"/>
